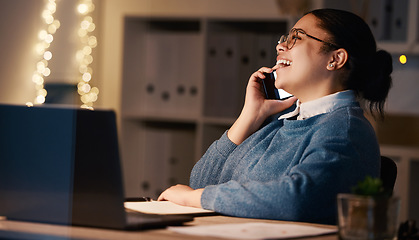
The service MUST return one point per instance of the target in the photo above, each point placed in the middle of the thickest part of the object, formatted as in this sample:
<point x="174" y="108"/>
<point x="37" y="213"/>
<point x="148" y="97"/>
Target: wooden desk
<point x="31" y="231"/>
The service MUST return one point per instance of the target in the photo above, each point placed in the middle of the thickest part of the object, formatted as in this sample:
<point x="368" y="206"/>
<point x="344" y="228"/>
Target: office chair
<point x="388" y="173"/>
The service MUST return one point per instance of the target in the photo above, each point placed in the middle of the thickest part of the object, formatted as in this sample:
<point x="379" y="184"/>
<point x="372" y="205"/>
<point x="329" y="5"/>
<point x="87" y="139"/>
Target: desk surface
<point x="27" y="230"/>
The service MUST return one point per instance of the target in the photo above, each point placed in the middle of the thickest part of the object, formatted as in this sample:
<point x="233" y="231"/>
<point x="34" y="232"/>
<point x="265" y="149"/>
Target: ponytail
<point x="377" y="87"/>
<point x="369" y="70"/>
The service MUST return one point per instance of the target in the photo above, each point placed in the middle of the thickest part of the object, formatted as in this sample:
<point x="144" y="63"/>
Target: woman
<point x="293" y="169"/>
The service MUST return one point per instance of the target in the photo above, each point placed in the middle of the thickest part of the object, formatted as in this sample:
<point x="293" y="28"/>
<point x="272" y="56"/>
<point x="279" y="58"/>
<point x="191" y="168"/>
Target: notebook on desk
<point x="61" y="165"/>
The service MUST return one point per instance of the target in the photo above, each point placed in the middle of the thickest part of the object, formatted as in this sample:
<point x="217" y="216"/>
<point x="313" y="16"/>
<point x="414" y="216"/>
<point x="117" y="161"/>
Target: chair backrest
<point x="388" y="173"/>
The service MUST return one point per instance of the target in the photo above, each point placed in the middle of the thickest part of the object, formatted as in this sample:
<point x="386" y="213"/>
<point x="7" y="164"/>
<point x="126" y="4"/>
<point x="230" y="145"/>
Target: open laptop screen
<point x="60" y="165"/>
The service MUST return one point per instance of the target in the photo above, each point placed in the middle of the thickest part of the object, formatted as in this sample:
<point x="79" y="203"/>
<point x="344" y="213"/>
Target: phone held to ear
<point x="271" y="92"/>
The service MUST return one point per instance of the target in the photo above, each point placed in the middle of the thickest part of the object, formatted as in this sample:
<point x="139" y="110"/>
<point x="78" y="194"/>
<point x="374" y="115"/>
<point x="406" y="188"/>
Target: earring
<point x="331" y="65"/>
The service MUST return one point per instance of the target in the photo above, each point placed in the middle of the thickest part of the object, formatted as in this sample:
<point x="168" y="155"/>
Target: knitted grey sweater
<point x="290" y="169"/>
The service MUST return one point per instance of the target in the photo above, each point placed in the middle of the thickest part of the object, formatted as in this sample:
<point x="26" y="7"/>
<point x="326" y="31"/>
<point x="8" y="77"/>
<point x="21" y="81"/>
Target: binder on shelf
<point x="221" y="75"/>
<point x="247" y="65"/>
<point x="182" y="155"/>
<point x="172" y="73"/>
<point x="159" y="72"/>
<point x="265" y="50"/>
<point x="189" y="58"/>
<point x="166" y="158"/>
<point x="398" y="25"/>
<point x="154" y="167"/>
<point x="378" y="18"/>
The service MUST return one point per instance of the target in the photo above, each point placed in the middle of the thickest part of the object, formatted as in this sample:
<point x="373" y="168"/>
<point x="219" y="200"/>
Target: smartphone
<point x="271" y="92"/>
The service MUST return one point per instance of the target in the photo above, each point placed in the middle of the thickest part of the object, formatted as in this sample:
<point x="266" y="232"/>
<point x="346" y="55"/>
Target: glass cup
<point x="362" y="217"/>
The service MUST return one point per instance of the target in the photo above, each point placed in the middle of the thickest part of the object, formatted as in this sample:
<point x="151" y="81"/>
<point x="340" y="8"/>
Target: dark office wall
<point x="18" y="29"/>
<point x="20" y="23"/>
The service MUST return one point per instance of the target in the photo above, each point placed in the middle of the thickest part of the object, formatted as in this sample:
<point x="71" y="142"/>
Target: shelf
<point x="399" y="47"/>
<point x="219" y="121"/>
<point x="161" y="117"/>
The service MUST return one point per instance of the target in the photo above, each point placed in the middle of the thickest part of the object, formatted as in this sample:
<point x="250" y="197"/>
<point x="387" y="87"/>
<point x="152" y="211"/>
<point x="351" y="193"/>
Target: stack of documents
<point x="164" y="208"/>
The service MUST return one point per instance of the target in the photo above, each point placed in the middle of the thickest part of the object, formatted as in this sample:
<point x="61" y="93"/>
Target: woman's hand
<point x="182" y="195"/>
<point x="256" y="108"/>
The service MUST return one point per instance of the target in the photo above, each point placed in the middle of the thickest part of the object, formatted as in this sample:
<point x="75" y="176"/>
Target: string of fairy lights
<point x="88" y="94"/>
<point x="46" y="37"/>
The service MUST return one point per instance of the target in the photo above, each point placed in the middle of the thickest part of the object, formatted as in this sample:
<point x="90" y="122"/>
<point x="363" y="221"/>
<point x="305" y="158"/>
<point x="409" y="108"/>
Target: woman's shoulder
<point x="345" y="120"/>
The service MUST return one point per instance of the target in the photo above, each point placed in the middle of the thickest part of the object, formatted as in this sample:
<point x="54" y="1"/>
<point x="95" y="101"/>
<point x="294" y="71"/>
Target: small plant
<point x="370" y="187"/>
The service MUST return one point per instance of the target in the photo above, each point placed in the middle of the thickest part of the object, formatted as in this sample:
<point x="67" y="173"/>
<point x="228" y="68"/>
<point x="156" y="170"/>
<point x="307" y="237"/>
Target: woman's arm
<point x="206" y="172"/>
<point x="182" y="195"/>
<point x="256" y="108"/>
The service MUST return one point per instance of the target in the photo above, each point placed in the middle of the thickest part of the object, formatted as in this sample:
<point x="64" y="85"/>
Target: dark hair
<point x="369" y="70"/>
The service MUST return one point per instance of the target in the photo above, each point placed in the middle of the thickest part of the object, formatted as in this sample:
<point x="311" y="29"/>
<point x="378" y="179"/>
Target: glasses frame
<point x="291" y="42"/>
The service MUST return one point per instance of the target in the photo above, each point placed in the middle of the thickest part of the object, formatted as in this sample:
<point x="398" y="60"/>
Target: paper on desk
<point x="254" y="230"/>
<point x="163" y="207"/>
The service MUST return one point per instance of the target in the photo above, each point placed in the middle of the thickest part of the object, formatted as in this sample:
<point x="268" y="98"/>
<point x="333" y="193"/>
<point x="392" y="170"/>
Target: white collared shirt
<point x="321" y="105"/>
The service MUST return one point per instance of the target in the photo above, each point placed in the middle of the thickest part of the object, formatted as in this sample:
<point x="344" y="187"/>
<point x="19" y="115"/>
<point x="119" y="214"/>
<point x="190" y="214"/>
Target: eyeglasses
<point x="292" y="37"/>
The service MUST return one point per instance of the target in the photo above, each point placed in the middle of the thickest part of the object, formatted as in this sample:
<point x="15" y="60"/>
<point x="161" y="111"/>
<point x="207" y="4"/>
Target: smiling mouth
<point x="283" y="63"/>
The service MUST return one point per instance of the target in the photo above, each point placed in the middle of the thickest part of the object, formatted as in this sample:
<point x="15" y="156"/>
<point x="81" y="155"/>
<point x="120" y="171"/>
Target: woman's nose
<point x="280" y="47"/>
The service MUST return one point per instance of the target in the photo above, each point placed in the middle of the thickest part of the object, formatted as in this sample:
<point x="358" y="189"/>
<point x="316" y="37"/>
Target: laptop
<point x="61" y="165"/>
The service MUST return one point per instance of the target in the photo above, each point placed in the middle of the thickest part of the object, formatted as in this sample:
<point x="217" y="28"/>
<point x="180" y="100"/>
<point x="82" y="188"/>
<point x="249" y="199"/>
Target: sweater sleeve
<point x="207" y="170"/>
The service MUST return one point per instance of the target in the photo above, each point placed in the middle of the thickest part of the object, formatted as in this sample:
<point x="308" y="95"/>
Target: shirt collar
<point x="321" y="105"/>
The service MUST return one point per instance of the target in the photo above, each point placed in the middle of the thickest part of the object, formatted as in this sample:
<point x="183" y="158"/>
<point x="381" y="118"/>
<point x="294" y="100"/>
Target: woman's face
<point x="307" y="69"/>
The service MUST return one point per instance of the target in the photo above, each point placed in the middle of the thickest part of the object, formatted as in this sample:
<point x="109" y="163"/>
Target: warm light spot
<point x="46" y="72"/>
<point x="95" y="90"/>
<point x="52" y="29"/>
<point x="42" y="92"/>
<point x="37" y="79"/>
<point x="80" y="55"/>
<point x="85" y="88"/>
<point x="49" y="19"/>
<point x="82" y="8"/>
<point x="40" y="99"/>
<point x="82" y="32"/>
<point x="83" y="68"/>
<point x="47" y="55"/>
<point x="42" y="34"/>
<point x="56" y="23"/>
<point x="92" y="41"/>
<point x="85" y="24"/>
<point x="403" y="59"/>
<point x="87" y="77"/>
<point x="87" y="50"/>
<point x="89" y="70"/>
<point x="88" y="19"/>
<point x="91" y="27"/>
<point x="39" y="86"/>
<point x="46" y="13"/>
<point x="49" y="38"/>
<point x="52" y="7"/>
<point x="40" y="66"/>
<point x="88" y="59"/>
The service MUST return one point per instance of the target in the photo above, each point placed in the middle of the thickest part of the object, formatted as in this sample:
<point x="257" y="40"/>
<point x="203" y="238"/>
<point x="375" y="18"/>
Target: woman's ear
<point x="338" y="60"/>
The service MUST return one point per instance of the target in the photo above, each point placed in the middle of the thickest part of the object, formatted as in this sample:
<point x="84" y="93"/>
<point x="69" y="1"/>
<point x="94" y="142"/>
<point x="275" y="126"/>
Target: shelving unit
<point x="407" y="161"/>
<point x="184" y="83"/>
